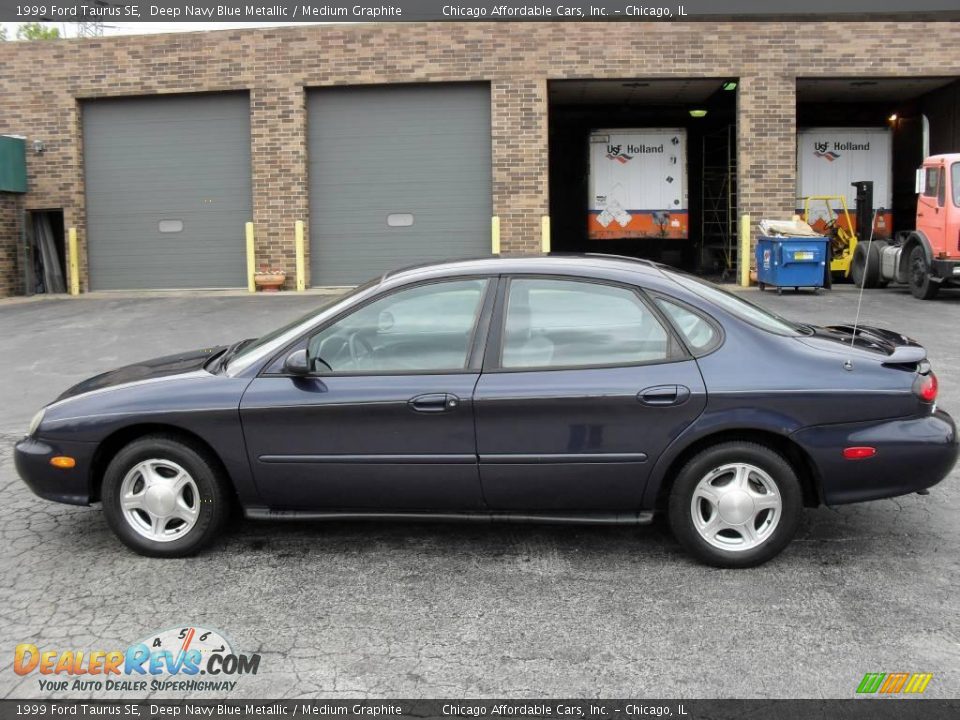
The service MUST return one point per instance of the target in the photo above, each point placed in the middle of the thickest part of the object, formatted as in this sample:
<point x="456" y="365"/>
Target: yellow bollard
<point x="545" y="234"/>
<point x="251" y="258"/>
<point x="495" y="235"/>
<point x="74" y="261"/>
<point x="301" y="268"/>
<point x="744" y="254"/>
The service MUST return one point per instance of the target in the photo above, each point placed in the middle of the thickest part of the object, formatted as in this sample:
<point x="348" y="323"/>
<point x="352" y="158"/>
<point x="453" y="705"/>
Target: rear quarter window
<point x="700" y="335"/>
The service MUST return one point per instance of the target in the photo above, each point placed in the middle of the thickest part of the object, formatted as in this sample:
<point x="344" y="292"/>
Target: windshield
<point x="276" y="339"/>
<point x="738" y="306"/>
<point x="955" y="183"/>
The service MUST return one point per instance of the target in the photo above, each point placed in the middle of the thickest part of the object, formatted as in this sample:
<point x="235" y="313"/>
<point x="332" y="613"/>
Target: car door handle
<point x="434" y="403"/>
<point x="664" y="395"/>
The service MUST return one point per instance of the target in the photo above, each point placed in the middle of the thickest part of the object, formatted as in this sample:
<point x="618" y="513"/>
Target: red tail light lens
<point x="859" y="453"/>
<point x="927" y="387"/>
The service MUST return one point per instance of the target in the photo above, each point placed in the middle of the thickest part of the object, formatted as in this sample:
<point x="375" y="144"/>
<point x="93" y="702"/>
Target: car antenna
<point x="856" y="321"/>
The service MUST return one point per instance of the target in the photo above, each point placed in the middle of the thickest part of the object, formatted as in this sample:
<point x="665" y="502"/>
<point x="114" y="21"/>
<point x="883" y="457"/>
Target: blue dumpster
<point x="791" y="262"/>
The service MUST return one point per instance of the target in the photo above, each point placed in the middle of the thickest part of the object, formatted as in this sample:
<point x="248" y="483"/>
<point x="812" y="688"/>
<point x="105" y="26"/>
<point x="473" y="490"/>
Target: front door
<point x="586" y="389"/>
<point x="385" y="419"/>
<point x="931" y="213"/>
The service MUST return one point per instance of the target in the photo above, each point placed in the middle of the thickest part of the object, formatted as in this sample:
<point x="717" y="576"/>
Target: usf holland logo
<point x="821" y="151"/>
<point x="894" y="683"/>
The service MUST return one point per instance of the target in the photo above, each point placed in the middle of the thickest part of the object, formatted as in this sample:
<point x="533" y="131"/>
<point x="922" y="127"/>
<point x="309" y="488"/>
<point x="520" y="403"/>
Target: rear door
<point x="583" y="388"/>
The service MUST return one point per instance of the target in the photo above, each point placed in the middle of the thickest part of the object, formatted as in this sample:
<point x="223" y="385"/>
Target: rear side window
<point x="568" y="323"/>
<point x="700" y="335"/>
<point x="737" y="305"/>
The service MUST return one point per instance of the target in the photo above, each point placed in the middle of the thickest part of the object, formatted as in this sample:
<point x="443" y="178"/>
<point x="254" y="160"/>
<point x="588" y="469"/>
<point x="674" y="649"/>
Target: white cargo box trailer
<point x="829" y="160"/>
<point x="638" y="184"/>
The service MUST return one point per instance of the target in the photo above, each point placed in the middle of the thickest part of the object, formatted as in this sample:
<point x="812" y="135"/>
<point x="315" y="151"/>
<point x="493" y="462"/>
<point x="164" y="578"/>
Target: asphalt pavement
<point x="424" y="610"/>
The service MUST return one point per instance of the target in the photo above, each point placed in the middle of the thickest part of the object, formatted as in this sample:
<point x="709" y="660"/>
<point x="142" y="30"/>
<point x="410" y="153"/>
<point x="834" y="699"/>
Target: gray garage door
<point x="168" y="191"/>
<point x="398" y="175"/>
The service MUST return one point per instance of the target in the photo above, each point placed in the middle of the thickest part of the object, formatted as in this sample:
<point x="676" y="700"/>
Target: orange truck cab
<point x="927" y="257"/>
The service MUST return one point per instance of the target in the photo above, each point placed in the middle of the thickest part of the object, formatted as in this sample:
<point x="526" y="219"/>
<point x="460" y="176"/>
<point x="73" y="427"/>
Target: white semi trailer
<point x="638" y="184"/>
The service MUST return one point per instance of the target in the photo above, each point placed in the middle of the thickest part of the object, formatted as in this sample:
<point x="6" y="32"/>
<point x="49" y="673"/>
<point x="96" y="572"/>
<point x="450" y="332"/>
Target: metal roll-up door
<point x="168" y="188"/>
<point x="398" y="175"/>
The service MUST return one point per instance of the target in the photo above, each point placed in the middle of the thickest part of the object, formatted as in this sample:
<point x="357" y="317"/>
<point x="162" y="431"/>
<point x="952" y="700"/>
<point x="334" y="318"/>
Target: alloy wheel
<point x="159" y="500"/>
<point x="736" y="507"/>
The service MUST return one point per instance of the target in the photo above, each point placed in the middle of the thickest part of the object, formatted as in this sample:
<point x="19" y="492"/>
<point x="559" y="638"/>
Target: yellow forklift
<point x="840" y="225"/>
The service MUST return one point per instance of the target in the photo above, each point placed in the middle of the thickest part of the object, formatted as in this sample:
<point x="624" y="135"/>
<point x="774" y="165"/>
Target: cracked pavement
<point x="431" y="610"/>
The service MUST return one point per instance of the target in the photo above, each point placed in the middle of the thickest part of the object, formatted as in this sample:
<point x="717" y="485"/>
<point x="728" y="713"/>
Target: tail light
<point x="926" y="387"/>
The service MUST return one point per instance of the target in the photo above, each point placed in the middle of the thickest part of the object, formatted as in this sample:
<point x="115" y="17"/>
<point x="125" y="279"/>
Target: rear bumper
<point x="912" y="454"/>
<point x="72" y="486"/>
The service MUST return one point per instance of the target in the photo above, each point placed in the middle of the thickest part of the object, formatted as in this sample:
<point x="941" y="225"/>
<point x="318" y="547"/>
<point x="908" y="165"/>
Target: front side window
<point x="427" y="328"/>
<point x="942" y="188"/>
<point x="931" y="182"/>
<point x="566" y="323"/>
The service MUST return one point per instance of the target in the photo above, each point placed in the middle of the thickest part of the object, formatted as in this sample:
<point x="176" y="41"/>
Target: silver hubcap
<point x="736" y="507"/>
<point x="160" y="500"/>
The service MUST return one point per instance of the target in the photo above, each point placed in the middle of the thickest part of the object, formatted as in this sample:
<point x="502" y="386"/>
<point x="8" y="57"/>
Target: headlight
<point x="35" y="423"/>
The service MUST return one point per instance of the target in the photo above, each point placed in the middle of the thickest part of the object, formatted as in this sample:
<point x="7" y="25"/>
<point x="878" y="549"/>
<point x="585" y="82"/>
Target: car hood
<point x="147" y="370"/>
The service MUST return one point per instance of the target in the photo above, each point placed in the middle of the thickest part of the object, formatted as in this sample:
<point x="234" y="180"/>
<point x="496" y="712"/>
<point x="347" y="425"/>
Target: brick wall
<point x="10" y="272"/>
<point x="43" y="83"/>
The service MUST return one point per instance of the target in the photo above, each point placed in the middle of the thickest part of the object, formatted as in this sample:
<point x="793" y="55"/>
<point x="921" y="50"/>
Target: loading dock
<point x="696" y="228"/>
<point x="855" y="116"/>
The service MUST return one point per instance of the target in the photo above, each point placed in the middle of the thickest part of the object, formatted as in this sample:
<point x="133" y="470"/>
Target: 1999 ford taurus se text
<point x="554" y="389"/>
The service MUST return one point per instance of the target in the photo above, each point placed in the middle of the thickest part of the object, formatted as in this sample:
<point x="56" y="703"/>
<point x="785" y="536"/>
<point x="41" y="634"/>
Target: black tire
<point x="865" y="266"/>
<point x="213" y="504"/>
<point x="922" y="286"/>
<point x="777" y="469"/>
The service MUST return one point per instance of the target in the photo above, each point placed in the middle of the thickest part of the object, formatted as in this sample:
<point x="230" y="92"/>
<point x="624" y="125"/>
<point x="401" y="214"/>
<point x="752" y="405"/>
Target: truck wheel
<point x="922" y="286"/>
<point x="865" y="266"/>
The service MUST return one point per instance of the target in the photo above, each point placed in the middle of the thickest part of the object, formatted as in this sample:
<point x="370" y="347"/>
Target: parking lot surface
<point x="423" y="610"/>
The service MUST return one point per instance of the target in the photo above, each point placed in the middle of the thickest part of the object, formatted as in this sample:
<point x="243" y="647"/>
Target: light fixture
<point x="698" y="113"/>
<point x="892" y="118"/>
<point x="38" y="146"/>
<point x="730" y="85"/>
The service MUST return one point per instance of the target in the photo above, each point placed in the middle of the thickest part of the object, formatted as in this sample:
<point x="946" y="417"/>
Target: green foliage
<point x="37" y="31"/>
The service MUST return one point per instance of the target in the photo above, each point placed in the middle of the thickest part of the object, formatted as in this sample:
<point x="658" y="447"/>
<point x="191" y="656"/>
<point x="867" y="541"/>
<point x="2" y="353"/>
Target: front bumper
<point x="912" y="454"/>
<point x="946" y="269"/>
<point x="72" y="486"/>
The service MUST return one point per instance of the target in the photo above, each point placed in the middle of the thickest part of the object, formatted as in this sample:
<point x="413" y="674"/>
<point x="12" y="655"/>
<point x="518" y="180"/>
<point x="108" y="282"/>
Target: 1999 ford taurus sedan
<point x="584" y="389"/>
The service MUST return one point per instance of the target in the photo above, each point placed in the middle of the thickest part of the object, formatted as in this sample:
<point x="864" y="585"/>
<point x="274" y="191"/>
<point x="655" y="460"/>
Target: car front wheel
<point x="164" y="497"/>
<point x="735" y="505"/>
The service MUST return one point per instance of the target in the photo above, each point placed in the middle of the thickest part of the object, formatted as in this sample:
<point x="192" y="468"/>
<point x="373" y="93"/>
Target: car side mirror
<point x="296" y="363"/>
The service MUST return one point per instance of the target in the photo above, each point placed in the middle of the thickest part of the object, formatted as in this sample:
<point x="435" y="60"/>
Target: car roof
<point x="541" y="264"/>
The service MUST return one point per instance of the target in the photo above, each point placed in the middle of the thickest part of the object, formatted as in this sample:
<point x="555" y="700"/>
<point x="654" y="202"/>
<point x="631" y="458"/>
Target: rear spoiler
<point x="900" y="349"/>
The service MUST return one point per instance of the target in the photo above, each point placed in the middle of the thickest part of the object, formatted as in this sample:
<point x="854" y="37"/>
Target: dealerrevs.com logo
<point x="182" y="659"/>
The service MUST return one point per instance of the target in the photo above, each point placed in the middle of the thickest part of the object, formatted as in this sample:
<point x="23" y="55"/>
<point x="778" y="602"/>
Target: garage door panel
<point x="183" y="158"/>
<point x="376" y="151"/>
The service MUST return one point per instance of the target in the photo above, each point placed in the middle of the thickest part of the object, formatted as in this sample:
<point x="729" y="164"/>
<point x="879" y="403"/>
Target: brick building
<point x="158" y="149"/>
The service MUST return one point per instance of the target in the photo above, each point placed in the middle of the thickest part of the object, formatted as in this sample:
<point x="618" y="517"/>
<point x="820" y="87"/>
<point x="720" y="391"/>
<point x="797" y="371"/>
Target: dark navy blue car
<point x="583" y="389"/>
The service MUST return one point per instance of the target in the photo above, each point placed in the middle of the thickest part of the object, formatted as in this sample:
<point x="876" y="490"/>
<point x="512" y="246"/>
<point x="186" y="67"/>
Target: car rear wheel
<point x="164" y="497"/>
<point x="735" y="505"/>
